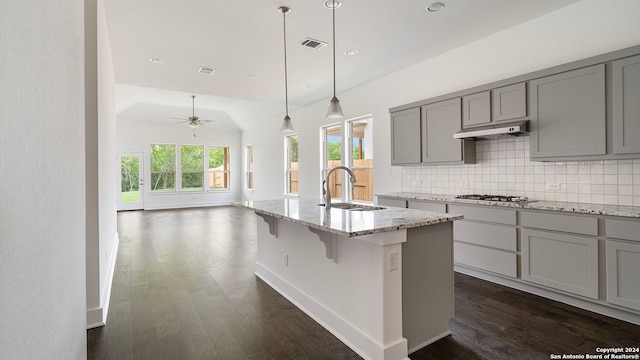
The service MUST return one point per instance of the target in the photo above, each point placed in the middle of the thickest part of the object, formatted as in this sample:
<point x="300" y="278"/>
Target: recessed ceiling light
<point x="436" y="6"/>
<point x="206" y="71"/>
<point x="156" y="61"/>
<point x="329" y="4"/>
<point x="351" y="52"/>
<point x="306" y="86"/>
<point x="248" y="77"/>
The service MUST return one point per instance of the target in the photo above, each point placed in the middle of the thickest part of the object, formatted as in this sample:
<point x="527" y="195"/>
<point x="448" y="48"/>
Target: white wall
<point x="42" y="212"/>
<point x="102" y="237"/>
<point x="571" y="33"/>
<point x="132" y="137"/>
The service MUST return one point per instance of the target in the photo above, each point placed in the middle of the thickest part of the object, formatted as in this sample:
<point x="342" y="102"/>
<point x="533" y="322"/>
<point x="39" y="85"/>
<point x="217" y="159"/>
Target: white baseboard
<point x="346" y="332"/>
<point x="98" y="316"/>
<point x="187" y="205"/>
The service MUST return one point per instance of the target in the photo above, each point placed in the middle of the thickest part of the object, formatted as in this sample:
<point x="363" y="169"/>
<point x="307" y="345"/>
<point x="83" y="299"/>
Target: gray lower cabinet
<point x="487" y="239"/>
<point x="560" y="259"/>
<point x="626" y="107"/>
<point x="439" y="122"/>
<point x="405" y="137"/>
<point x="623" y="263"/>
<point x="427" y="205"/>
<point x="568" y="114"/>
<point x="385" y="201"/>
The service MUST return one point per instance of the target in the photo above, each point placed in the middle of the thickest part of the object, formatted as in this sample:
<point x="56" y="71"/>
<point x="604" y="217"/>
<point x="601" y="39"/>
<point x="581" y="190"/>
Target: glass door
<point x="130" y="194"/>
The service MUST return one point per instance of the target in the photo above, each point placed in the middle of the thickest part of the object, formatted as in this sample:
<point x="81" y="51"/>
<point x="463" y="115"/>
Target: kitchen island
<point x="379" y="280"/>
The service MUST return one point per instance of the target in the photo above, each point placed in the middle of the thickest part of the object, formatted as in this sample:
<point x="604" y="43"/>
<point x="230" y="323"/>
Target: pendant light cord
<point x="333" y="11"/>
<point x="286" y="86"/>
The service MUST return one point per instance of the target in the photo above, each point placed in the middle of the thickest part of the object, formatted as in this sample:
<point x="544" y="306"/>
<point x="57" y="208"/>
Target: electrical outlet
<point x="553" y="186"/>
<point x="286" y="260"/>
<point x="393" y="261"/>
<point x="387" y="171"/>
<point x="417" y="182"/>
<point x="464" y="184"/>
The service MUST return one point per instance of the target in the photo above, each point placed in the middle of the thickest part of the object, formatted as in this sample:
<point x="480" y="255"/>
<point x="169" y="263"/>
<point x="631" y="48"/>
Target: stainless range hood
<point x="518" y="128"/>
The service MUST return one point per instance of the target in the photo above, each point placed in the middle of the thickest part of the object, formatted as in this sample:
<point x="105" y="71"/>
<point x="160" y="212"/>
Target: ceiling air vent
<point x="206" y="71"/>
<point x="314" y="44"/>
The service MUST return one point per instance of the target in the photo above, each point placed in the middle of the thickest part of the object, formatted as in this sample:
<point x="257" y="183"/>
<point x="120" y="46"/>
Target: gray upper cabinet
<point x="476" y="109"/>
<point x="509" y="102"/>
<point x="626" y="105"/>
<point x="500" y="104"/>
<point x="405" y="137"/>
<point x="568" y="114"/>
<point x="439" y="122"/>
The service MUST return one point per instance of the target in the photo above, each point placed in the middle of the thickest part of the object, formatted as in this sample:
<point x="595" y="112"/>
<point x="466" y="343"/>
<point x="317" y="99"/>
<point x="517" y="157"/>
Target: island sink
<point x="354" y="207"/>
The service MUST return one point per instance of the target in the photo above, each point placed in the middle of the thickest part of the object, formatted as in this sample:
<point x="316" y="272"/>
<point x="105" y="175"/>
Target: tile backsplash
<point x="503" y="167"/>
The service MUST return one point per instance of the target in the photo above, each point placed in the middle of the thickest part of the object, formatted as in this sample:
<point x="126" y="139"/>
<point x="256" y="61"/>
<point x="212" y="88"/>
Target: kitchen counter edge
<point x="384" y="220"/>
<point x="581" y="208"/>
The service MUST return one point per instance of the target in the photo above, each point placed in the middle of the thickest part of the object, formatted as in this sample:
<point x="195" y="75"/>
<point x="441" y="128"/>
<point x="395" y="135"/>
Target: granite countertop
<point x="582" y="208"/>
<point x="347" y="223"/>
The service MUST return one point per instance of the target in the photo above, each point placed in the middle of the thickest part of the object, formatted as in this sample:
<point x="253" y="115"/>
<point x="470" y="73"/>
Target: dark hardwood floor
<point x="184" y="288"/>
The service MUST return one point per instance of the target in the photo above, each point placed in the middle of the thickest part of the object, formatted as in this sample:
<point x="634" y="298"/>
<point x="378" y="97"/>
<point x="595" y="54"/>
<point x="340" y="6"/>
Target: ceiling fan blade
<point x="206" y="120"/>
<point x="177" y="118"/>
<point x="182" y="122"/>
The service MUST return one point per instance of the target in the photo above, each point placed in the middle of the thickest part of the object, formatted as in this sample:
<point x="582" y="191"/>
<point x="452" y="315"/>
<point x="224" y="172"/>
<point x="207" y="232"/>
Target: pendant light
<point x="286" y="127"/>
<point x="335" y="110"/>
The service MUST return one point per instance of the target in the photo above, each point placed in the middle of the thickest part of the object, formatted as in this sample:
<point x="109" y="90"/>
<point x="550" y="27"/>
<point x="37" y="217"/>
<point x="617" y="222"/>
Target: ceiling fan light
<point x="335" y="110"/>
<point x="193" y="125"/>
<point x="287" y="126"/>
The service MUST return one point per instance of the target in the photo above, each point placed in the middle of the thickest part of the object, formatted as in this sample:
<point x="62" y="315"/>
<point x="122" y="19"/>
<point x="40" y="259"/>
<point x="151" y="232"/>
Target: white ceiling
<point x="245" y="37"/>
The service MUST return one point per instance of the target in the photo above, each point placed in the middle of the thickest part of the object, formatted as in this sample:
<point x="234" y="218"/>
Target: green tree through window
<point x="163" y="167"/>
<point x="192" y="166"/>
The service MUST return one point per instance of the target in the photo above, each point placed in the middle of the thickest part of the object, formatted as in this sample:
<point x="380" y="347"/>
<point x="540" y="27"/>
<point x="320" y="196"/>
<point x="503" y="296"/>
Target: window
<point x="357" y="154"/>
<point x="361" y="159"/>
<point x="332" y="157"/>
<point x="163" y="167"/>
<point x="192" y="167"/>
<point x="291" y="164"/>
<point x="218" y="167"/>
<point x="249" y="164"/>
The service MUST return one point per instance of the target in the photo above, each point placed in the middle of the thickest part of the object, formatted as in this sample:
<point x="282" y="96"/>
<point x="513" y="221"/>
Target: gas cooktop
<point x="503" y="198"/>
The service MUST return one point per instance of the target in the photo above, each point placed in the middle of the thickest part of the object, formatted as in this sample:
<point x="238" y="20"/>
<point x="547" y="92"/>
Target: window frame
<point x="182" y="172"/>
<point x="151" y="191"/>
<point x="226" y="172"/>
<point x="287" y="164"/>
<point x="249" y="171"/>
<point x="349" y="151"/>
<point x="324" y="155"/>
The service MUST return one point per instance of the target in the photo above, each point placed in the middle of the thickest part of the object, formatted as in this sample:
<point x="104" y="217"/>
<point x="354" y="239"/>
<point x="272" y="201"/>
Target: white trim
<point x="346" y="332"/>
<point x="188" y="205"/>
<point x="98" y="316"/>
<point x="429" y="342"/>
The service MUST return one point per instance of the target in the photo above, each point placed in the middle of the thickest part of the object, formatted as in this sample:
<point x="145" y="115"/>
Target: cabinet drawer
<point x="629" y="230"/>
<point x="563" y="262"/>
<point x="501" y="216"/>
<point x="392" y="202"/>
<point x="496" y="261"/>
<point x="497" y="236"/>
<point x="554" y="221"/>
<point x="430" y="206"/>
<point x="623" y="267"/>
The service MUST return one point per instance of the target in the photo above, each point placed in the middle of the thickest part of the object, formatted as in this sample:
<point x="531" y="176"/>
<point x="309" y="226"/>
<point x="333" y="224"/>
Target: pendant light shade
<point x="335" y="110"/>
<point x="287" y="126"/>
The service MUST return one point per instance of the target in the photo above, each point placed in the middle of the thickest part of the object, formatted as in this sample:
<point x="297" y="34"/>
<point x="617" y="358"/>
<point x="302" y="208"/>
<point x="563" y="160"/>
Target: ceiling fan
<point x="193" y="121"/>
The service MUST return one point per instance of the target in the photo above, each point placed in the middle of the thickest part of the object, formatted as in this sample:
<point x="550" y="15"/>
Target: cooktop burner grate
<point x="505" y="198"/>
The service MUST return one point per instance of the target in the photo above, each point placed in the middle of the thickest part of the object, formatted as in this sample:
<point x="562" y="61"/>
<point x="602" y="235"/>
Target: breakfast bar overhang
<point x="379" y="280"/>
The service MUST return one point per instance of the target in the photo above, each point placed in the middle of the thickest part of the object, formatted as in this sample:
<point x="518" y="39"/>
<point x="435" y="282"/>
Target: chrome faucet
<point x="325" y="187"/>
